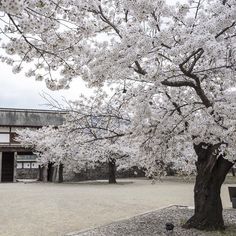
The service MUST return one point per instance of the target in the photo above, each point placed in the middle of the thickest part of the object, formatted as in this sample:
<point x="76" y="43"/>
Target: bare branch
<point x="178" y="83"/>
<point x="198" y="53"/>
<point x="139" y="69"/>
<point x="106" y="20"/>
<point x="225" y="29"/>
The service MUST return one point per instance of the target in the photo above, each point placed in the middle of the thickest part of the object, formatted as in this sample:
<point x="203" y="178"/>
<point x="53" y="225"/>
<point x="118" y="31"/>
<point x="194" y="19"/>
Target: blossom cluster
<point x="174" y="62"/>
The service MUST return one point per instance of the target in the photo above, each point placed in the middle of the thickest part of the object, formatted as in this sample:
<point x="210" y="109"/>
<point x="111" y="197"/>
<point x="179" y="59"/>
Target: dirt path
<point x="36" y="209"/>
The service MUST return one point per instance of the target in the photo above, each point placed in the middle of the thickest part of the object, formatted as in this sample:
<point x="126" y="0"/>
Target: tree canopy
<point x="172" y="64"/>
<point x="176" y="63"/>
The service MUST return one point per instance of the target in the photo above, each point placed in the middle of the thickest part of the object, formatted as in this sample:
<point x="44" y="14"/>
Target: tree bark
<point x="45" y="174"/>
<point x="211" y="172"/>
<point x="50" y="171"/>
<point x="60" y="178"/>
<point x="54" y="177"/>
<point x="112" y="171"/>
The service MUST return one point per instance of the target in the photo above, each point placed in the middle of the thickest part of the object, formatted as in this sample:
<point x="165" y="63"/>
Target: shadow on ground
<point x="98" y="182"/>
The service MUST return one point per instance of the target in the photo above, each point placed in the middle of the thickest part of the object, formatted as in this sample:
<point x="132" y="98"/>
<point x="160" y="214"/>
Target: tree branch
<point x="225" y="29"/>
<point x="139" y="69"/>
<point x="106" y="20"/>
<point x="199" y="53"/>
<point x="182" y="83"/>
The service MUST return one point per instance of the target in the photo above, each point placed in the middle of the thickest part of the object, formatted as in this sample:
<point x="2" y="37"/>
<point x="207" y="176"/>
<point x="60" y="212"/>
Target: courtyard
<point x="38" y="209"/>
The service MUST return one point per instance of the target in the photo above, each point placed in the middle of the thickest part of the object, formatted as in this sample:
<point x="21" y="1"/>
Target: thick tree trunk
<point x="112" y="171"/>
<point x="45" y="174"/>
<point x="60" y="177"/>
<point x="54" y="177"/>
<point x="50" y="171"/>
<point x="211" y="172"/>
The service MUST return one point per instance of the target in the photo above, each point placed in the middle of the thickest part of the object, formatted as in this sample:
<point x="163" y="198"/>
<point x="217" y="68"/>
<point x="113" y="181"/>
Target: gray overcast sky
<point x="17" y="91"/>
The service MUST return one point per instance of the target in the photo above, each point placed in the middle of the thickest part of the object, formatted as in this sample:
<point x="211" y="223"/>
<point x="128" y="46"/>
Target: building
<point x="15" y="160"/>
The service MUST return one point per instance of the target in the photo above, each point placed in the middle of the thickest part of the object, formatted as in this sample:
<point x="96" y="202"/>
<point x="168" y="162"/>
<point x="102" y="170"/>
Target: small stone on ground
<point x="153" y="224"/>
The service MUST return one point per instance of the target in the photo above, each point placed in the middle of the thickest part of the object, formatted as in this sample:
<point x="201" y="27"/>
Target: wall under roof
<point x="30" y="117"/>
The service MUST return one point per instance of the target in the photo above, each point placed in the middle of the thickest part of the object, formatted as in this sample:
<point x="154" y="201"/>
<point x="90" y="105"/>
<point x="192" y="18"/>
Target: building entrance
<point x="7" y="166"/>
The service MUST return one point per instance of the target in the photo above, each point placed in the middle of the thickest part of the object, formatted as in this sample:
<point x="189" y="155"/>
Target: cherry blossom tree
<point x="91" y="134"/>
<point x="175" y="62"/>
<point x="97" y="131"/>
<point x="48" y="145"/>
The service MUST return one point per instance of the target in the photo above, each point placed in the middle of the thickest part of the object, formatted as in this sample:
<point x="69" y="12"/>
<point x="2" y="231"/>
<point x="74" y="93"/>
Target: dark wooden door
<point x="7" y="166"/>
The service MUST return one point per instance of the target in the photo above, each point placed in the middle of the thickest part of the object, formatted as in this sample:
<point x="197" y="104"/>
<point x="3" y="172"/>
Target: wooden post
<point x="233" y="171"/>
<point x="15" y="166"/>
<point x="40" y="173"/>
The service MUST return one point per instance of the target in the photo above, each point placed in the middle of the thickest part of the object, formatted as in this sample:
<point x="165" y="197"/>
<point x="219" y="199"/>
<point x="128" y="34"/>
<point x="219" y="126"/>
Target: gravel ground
<point x="153" y="224"/>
